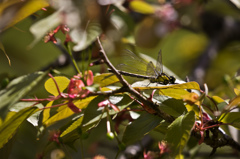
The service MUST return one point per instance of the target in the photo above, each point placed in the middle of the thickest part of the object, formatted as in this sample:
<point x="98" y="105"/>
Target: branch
<point x="218" y="139"/>
<point x="127" y="87"/>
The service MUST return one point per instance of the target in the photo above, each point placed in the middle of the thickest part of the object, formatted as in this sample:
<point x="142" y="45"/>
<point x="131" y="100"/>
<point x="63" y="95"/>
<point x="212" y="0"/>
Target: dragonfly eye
<point x="172" y="79"/>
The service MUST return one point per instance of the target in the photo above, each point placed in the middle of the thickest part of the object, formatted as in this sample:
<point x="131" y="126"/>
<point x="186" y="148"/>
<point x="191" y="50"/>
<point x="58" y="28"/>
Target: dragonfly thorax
<point x="164" y="79"/>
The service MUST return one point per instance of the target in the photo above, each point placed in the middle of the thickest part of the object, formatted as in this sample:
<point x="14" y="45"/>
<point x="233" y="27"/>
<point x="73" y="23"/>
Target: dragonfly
<point x="154" y="74"/>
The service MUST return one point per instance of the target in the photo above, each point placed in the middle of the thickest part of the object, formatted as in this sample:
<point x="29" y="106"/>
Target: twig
<point x="215" y="141"/>
<point x="129" y="89"/>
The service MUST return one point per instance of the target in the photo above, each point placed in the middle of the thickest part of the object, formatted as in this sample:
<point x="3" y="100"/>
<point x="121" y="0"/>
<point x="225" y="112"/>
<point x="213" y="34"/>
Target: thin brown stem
<point x="129" y="89"/>
<point x="55" y="82"/>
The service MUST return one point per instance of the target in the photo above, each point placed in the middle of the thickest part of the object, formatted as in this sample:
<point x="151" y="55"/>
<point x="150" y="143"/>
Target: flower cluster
<point x="76" y="89"/>
<point x="51" y="35"/>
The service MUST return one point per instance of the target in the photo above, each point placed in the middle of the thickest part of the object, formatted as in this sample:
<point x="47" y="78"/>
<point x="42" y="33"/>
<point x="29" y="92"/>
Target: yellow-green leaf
<point x="105" y="79"/>
<point x="217" y="99"/>
<point x="192" y="108"/>
<point x="179" y="132"/>
<point x="233" y="103"/>
<point x="18" y="88"/>
<point x="232" y="118"/>
<point x="22" y="9"/>
<point x="236" y="91"/>
<point x="62" y="83"/>
<point x="141" y="7"/>
<point x="64" y="111"/>
<point x="9" y="127"/>
<point x="175" y="93"/>
<point x="46" y="112"/>
<point x="72" y="127"/>
<point x="188" y="85"/>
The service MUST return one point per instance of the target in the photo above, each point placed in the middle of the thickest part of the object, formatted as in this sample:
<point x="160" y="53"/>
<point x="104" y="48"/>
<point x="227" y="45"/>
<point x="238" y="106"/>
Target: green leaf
<point x="18" y="88"/>
<point x="232" y="118"/>
<point x="73" y="126"/>
<point x="105" y="79"/>
<point x="33" y="119"/>
<point x="84" y="38"/>
<point x="62" y="83"/>
<point x="140" y="127"/>
<point x="174" y="93"/>
<point x="62" y="114"/>
<point x="162" y="127"/>
<point x="173" y="107"/>
<point x="42" y="27"/>
<point x="179" y="131"/>
<point x="233" y="103"/>
<point x="64" y="111"/>
<point x="19" y="10"/>
<point x="92" y="116"/>
<point x="46" y="112"/>
<point x="141" y="7"/>
<point x="9" y="127"/>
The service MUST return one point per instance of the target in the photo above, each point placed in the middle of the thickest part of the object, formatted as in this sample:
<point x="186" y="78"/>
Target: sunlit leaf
<point x="9" y="127"/>
<point x="83" y="38"/>
<point x="141" y="7"/>
<point x="9" y="115"/>
<point x="46" y="112"/>
<point x="18" y="88"/>
<point x="140" y="127"/>
<point x="236" y="91"/>
<point x="193" y="107"/>
<point x="18" y="10"/>
<point x="105" y="79"/>
<point x="92" y="116"/>
<point x="174" y="93"/>
<point x="64" y="111"/>
<point x="179" y="131"/>
<point x="73" y="126"/>
<point x="188" y="85"/>
<point x="233" y="103"/>
<point x="232" y="118"/>
<point x="33" y="119"/>
<point x="217" y="99"/>
<point x="42" y="27"/>
<point x="62" y="83"/>
<point x="191" y="98"/>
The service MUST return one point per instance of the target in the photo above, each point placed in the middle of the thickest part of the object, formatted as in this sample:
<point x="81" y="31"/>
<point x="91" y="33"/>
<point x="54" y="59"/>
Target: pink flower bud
<point x="75" y="87"/>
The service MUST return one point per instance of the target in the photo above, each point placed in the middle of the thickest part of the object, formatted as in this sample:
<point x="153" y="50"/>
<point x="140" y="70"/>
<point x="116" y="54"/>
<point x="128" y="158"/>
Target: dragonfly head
<point x="172" y="79"/>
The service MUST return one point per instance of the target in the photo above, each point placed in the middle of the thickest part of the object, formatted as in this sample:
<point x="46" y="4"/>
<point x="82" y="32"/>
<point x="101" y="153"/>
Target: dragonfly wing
<point x="159" y="65"/>
<point x="151" y="70"/>
<point x="131" y="57"/>
<point x="133" y="63"/>
<point x="131" y="69"/>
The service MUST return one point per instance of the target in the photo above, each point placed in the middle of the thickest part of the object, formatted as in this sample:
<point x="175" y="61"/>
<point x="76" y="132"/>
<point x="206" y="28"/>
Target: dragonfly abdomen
<point x="136" y="75"/>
